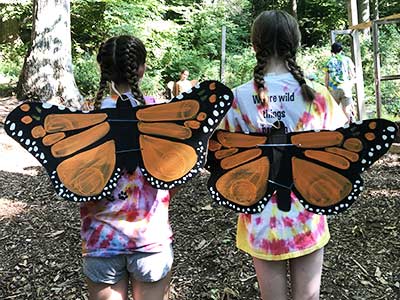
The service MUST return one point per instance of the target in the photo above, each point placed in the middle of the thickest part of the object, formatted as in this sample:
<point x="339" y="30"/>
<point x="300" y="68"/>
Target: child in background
<point x="279" y="91"/>
<point x="183" y="84"/>
<point x="128" y="241"/>
<point x="339" y="79"/>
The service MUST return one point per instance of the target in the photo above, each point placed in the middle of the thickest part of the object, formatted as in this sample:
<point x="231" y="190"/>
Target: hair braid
<point x="307" y="92"/>
<point x="100" y="93"/>
<point x="279" y="32"/>
<point x="120" y="59"/>
<point x="105" y="57"/>
<point x="132" y="74"/>
<point x="258" y="73"/>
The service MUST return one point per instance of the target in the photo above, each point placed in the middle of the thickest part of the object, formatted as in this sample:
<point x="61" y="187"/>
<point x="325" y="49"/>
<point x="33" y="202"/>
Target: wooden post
<point x="359" y="75"/>
<point x="377" y="67"/>
<point x="356" y="51"/>
<point x="223" y="46"/>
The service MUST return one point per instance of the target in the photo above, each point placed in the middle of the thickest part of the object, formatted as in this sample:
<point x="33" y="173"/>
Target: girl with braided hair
<point x="126" y="242"/>
<point x="282" y="241"/>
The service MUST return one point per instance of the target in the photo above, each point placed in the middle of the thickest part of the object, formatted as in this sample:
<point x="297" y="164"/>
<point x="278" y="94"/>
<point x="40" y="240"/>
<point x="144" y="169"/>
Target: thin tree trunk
<point x="47" y="72"/>
<point x="293" y="8"/>
<point x="364" y="14"/>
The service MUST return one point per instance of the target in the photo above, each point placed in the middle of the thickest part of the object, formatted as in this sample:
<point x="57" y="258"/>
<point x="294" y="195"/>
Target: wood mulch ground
<point x="40" y="244"/>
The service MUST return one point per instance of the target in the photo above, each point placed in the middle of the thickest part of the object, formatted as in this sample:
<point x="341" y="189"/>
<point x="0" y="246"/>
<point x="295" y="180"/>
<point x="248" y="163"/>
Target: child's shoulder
<point x="245" y="87"/>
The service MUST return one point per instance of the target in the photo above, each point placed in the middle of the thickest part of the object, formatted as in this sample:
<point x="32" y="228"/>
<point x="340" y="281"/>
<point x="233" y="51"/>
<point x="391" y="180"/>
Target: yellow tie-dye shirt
<point x="274" y="234"/>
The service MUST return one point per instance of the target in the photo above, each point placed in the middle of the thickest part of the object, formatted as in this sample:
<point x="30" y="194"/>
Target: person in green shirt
<point x="339" y="79"/>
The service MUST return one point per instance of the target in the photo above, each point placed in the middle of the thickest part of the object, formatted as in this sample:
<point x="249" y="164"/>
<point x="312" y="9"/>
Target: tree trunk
<point x="293" y="8"/>
<point x="47" y="72"/>
<point x="364" y="14"/>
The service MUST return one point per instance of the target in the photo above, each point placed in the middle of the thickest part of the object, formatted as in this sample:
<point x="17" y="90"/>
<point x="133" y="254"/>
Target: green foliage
<point x="186" y="34"/>
<point x="15" y="24"/>
<point x="86" y="74"/>
<point x="240" y="68"/>
<point x="317" y="18"/>
<point x="21" y="15"/>
<point x="12" y="59"/>
<point x="152" y="84"/>
<point x="312" y="61"/>
<point x="389" y="54"/>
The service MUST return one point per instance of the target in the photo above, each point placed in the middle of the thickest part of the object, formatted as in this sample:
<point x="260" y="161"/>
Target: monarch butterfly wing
<point x="327" y="166"/>
<point x="239" y="171"/>
<point x="174" y="136"/>
<point x="75" y="148"/>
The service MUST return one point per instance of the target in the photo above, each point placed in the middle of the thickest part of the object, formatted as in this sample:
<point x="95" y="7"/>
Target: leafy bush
<point x="12" y="59"/>
<point x="312" y="61"/>
<point x="239" y="68"/>
<point x="86" y="73"/>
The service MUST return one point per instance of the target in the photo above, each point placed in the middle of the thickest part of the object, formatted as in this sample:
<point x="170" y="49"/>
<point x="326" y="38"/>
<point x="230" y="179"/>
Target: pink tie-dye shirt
<point x="274" y="234"/>
<point x="137" y="220"/>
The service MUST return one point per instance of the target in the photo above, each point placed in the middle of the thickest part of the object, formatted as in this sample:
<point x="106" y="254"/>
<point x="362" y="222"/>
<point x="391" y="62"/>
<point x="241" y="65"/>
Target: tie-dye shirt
<point x="137" y="220"/>
<point x="274" y="234"/>
<point x="341" y="72"/>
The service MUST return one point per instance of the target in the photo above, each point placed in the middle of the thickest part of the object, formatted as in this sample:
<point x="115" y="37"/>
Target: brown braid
<point x="307" y="92"/>
<point x="132" y="74"/>
<point x="100" y="93"/>
<point x="276" y="35"/>
<point x="119" y="59"/>
<point x="258" y="73"/>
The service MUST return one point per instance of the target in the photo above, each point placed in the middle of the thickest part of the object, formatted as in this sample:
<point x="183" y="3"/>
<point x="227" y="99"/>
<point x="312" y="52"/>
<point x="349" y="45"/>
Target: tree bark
<point x="293" y="8"/>
<point x="47" y="72"/>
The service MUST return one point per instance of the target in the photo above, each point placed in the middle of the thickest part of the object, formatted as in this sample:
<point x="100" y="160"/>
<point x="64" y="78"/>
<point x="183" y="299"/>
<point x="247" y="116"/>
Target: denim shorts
<point x="141" y="266"/>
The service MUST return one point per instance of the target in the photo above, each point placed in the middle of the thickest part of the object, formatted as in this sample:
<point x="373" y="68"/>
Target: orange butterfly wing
<point x="322" y="168"/>
<point x="74" y="147"/>
<point x="238" y="171"/>
<point x="327" y="165"/>
<point x="174" y="136"/>
<point x="84" y="153"/>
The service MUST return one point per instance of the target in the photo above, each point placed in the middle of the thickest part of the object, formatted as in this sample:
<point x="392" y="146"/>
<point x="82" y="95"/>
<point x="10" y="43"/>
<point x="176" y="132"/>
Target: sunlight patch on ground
<point x="14" y="158"/>
<point x="9" y="209"/>
<point x="395" y="148"/>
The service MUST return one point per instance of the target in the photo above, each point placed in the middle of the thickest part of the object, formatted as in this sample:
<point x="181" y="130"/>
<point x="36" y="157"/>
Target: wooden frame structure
<point x="377" y="62"/>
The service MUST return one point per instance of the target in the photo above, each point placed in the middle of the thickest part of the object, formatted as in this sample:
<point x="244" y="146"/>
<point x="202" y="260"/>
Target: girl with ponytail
<point x="282" y="241"/>
<point x="126" y="242"/>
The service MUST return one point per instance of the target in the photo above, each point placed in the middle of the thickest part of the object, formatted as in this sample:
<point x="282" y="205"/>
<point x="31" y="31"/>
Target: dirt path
<point x="40" y="244"/>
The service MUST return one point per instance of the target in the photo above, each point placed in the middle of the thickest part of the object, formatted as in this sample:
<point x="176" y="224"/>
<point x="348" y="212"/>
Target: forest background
<point x="186" y="34"/>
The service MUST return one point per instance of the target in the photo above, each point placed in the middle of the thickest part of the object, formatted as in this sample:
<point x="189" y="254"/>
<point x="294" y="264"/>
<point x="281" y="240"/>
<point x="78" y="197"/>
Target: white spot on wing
<point x="47" y="105"/>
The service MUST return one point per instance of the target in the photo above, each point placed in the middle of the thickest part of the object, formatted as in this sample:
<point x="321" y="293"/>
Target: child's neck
<point x="276" y="66"/>
<point x="121" y="88"/>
